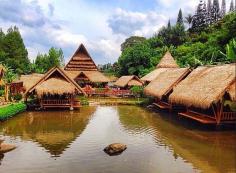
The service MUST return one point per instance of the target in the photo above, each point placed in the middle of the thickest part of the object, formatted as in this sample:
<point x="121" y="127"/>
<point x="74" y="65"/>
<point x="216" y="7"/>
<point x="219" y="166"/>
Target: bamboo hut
<point x="204" y="93"/>
<point x="55" y="89"/>
<point x="125" y="82"/>
<point x="163" y="85"/>
<point x="25" y="82"/>
<point x="167" y="62"/>
<point x="83" y="70"/>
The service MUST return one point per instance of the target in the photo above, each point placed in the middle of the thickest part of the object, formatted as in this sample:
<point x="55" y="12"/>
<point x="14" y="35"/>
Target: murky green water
<point x="56" y="142"/>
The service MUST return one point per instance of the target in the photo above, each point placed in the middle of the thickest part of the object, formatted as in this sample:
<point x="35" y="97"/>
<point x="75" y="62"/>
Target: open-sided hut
<point x="55" y="89"/>
<point x="83" y="70"/>
<point x="165" y="63"/>
<point x="163" y="85"/>
<point x="204" y="93"/>
<point x="125" y="82"/>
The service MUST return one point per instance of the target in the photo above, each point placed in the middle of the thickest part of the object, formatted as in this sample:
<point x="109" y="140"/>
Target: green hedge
<point x="11" y="110"/>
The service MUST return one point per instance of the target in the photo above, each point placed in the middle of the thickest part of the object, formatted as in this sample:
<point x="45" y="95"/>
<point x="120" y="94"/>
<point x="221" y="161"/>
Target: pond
<point x="73" y="141"/>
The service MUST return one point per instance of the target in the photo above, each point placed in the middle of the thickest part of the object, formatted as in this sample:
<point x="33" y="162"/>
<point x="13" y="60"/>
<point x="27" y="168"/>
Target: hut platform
<point x="227" y="117"/>
<point x="163" y="105"/>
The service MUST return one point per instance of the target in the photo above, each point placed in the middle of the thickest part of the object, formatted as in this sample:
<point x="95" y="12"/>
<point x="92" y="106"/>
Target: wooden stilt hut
<point x="205" y="93"/>
<point x="163" y="85"/>
<point x="167" y="62"/>
<point x="55" y="89"/>
<point x="83" y="70"/>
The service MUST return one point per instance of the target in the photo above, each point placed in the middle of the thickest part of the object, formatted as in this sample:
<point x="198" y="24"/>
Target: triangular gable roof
<point x="52" y="71"/>
<point x="81" y="61"/>
<point x="124" y="80"/>
<point x="167" y="61"/>
<point x="94" y="76"/>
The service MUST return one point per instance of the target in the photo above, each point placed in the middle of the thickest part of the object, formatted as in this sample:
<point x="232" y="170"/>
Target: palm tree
<point x="8" y="77"/>
<point x="188" y="19"/>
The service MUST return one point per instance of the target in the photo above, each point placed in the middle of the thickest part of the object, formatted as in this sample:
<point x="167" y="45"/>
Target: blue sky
<point x="101" y="25"/>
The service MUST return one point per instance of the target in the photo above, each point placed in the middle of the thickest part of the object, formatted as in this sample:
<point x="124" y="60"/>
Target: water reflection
<point x="206" y="150"/>
<point x="54" y="130"/>
<point x="155" y="143"/>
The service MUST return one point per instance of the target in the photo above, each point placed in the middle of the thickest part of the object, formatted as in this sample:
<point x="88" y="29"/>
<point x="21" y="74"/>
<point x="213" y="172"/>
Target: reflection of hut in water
<point x="204" y="93"/>
<point x="54" y="130"/>
<point x="163" y="85"/>
<point x="205" y="150"/>
<point x="167" y="62"/>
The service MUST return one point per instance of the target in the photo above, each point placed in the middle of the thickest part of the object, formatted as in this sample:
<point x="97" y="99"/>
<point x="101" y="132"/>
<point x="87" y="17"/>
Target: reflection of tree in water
<point x="209" y="151"/>
<point x="1" y="157"/>
<point x="53" y="130"/>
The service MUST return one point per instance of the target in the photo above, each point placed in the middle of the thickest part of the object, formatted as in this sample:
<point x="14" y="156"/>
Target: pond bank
<point x="11" y="110"/>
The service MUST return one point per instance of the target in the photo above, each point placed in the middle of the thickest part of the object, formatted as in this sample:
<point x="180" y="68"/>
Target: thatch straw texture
<point x="93" y="76"/>
<point x="165" y="82"/>
<point x="204" y="86"/>
<point x="30" y="80"/>
<point x="81" y="61"/>
<point x="55" y="81"/>
<point x="132" y="80"/>
<point x="167" y="61"/>
<point x="55" y="86"/>
<point x="153" y="75"/>
<point x="232" y="92"/>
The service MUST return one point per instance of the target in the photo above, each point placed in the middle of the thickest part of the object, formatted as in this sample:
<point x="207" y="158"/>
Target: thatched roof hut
<point x="29" y="80"/>
<point x="165" y="82"/>
<point x="2" y="70"/>
<point x="82" y="64"/>
<point x="92" y="76"/>
<point x="55" y="81"/>
<point x="205" y="86"/>
<point x="167" y="62"/>
<point x="128" y="81"/>
<point x="232" y="92"/>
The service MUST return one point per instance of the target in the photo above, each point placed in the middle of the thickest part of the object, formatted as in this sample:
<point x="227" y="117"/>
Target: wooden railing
<point x="228" y="116"/>
<point x="109" y="92"/>
<point x="56" y="102"/>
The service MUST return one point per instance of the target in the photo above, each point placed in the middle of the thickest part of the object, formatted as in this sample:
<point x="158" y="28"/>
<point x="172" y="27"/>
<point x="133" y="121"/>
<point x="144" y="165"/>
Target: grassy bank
<point x="11" y="110"/>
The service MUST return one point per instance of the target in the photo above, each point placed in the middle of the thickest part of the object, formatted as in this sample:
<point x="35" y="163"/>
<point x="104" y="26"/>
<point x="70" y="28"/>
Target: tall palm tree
<point x="188" y="19"/>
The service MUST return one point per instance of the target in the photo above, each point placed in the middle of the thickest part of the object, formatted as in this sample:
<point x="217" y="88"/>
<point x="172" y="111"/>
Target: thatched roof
<point x="30" y="80"/>
<point x="128" y="80"/>
<point x="167" y="61"/>
<point x="92" y="76"/>
<point x="204" y="86"/>
<point x="55" y="81"/>
<point x="81" y="61"/>
<point x="153" y="74"/>
<point x="2" y="69"/>
<point x="165" y="82"/>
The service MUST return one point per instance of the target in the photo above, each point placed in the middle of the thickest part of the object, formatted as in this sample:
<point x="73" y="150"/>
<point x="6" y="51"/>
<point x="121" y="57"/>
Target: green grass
<point x="11" y="110"/>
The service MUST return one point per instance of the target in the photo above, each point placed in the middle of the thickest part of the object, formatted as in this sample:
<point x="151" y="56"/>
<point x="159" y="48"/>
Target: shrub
<point x="17" y="97"/>
<point x="11" y="110"/>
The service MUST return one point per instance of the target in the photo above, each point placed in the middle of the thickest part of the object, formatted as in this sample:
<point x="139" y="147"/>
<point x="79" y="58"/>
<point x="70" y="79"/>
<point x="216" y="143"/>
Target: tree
<point x="223" y="8"/>
<point x="15" y="53"/>
<point x="231" y="8"/>
<point x="200" y="19"/>
<point x="44" y="62"/>
<point x="188" y="20"/>
<point x="180" y="20"/>
<point x="131" y="41"/>
<point x="215" y="11"/>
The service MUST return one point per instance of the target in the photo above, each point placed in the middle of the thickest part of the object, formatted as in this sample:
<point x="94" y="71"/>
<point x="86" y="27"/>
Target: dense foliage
<point x="14" y="55"/>
<point x="13" y="51"/>
<point x="11" y="110"/>
<point x="212" y="45"/>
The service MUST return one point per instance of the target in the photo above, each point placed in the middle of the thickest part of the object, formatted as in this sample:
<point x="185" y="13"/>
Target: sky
<point x="101" y="25"/>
